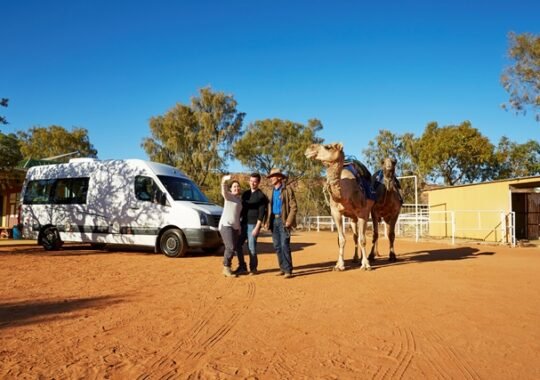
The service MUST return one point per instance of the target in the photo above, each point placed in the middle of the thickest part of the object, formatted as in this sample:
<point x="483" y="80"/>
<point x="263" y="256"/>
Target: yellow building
<point x="500" y="211"/>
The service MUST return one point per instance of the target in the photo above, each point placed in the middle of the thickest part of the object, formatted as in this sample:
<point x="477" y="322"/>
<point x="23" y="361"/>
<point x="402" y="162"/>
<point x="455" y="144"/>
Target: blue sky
<point x="358" y="66"/>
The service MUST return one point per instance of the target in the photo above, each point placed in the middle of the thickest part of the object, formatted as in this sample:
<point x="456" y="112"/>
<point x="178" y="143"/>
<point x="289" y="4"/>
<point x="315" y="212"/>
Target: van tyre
<point x="172" y="243"/>
<point x="50" y="239"/>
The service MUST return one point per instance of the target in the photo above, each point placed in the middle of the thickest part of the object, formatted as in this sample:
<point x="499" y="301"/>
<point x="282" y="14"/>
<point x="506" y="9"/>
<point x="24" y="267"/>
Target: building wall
<point x="480" y="210"/>
<point x="10" y="188"/>
<point x="9" y="214"/>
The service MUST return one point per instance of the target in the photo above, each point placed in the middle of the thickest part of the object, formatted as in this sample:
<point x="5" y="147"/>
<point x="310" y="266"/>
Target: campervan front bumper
<point x="202" y="238"/>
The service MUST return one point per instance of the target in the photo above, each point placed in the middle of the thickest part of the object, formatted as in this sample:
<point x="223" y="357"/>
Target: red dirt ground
<point x="440" y="312"/>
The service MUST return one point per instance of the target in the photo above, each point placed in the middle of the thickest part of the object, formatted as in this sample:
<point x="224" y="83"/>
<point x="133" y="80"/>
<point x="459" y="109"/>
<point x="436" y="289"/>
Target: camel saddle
<point x="362" y="175"/>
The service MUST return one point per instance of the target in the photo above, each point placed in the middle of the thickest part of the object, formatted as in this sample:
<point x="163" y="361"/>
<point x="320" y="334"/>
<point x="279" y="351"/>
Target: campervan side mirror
<point x="162" y="199"/>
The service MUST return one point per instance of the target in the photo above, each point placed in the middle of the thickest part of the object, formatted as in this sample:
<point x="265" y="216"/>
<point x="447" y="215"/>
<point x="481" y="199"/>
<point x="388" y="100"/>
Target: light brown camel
<point x="387" y="206"/>
<point x="347" y="198"/>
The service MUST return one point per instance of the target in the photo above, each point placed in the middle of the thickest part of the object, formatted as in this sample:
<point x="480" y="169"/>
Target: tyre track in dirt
<point x="447" y="358"/>
<point x="401" y="352"/>
<point x="184" y="358"/>
<point x="424" y="347"/>
<point x="278" y="365"/>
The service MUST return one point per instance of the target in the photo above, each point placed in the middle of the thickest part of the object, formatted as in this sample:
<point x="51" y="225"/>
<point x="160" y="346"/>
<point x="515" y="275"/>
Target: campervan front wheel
<point x="50" y="239"/>
<point x="172" y="243"/>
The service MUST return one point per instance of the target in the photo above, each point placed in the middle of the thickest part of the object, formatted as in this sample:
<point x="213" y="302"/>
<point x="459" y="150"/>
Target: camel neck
<point x="333" y="179"/>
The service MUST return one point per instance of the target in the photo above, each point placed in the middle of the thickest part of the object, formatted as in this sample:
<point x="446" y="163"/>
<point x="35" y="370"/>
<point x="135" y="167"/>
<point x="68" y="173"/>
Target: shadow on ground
<point x="35" y="311"/>
<point x="418" y="257"/>
<point x="446" y="254"/>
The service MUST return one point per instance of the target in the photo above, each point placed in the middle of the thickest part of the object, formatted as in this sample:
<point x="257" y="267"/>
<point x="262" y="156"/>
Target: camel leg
<point x="374" y="244"/>
<point x="354" y="226"/>
<point x="362" y="224"/>
<point x="391" y="238"/>
<point x="340" y="265"/>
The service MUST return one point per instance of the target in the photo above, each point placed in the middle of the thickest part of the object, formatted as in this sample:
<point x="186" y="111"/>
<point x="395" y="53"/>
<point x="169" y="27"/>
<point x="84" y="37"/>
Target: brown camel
<point x="387" y="206"/>
<point x="347" y="198"/>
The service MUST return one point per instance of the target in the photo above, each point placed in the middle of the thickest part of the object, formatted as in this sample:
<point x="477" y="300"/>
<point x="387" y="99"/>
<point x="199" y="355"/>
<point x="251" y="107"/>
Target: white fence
<point x="420" y="222"/>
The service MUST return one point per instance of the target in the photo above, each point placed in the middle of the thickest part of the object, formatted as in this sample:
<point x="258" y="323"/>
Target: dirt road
<point x="440" y="312"/>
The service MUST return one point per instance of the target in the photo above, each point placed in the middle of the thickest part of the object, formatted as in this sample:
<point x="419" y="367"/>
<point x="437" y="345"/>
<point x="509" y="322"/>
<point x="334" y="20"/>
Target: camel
<point x="347" y="198"/>
<point x="387" y="206"/>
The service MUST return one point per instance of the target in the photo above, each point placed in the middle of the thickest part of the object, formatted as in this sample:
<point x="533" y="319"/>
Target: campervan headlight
<point x="203" y="218"/>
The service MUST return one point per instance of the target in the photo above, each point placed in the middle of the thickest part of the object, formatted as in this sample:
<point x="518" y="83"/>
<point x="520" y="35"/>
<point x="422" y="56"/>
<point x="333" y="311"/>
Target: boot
<point x="227" y="272"/>
<point x="240" y="270"/>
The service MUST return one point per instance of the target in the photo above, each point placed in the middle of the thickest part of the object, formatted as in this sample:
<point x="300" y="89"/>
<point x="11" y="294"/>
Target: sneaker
<point x="287" y="275"/>
<point x="253" y="272"/>
<point x="240" y="270"/>
<point x="227" y="272"/>
<point x="280" y="273"/>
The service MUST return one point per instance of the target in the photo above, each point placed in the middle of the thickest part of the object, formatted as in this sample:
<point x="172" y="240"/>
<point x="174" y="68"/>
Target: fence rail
<point x="419" y="221"/>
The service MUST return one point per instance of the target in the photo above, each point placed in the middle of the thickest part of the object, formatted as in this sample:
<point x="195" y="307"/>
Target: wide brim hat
<point x="275" y="172"/>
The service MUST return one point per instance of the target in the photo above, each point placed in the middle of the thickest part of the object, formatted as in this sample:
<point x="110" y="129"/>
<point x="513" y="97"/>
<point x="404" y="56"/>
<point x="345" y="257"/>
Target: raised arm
<point x="224" y="190"/>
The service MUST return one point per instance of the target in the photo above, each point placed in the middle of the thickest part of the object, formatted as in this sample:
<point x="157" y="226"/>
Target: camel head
<point x="389" y="166"/>
<point x="327" y="153"/>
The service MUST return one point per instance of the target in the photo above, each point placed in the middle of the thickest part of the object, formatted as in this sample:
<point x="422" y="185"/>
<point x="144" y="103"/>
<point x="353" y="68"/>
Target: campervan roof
<point x="82" y="159"/>
<point x="86" y="165"/>
<point x="162" y="169"/>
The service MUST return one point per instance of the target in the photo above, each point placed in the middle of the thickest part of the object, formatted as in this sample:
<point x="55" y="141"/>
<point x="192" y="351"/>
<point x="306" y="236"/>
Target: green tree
<point x="45" y="142"/>
<point x="516" y="160"/>
<point x="10" y="150"/>
<point x="278" y="143"/>
<point x="196" y="138"/>
<point x="281" y="143"/>
<point x="522" y="79"/>
<point x="403" y="149"/>
<point x="388" y="144"/>
<point x="3" y="103"/>
<point x="456" y="154"/>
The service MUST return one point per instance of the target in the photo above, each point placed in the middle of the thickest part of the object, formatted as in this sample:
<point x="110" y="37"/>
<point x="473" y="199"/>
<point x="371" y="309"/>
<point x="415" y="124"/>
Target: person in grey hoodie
<point x="229" y="224"/>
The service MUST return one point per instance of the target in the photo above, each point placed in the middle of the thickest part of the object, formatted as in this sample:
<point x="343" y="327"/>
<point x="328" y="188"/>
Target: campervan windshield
<point x="182" y="189"/>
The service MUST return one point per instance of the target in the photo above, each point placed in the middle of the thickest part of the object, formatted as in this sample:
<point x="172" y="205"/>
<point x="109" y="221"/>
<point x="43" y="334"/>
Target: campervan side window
<point x="56" y="191"/>
<point x="70" y="191"/>
<point x="38" y="192"/>
<point x="145" y="188"/>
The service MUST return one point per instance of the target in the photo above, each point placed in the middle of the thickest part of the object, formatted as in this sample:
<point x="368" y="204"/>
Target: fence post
<point x="513" y="228"/>
<point x="453" y="221"/>
<point x="503" y="228"/>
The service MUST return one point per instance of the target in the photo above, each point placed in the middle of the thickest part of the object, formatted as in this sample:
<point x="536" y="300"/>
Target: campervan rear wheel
<point x="172" y="243"/>
<point x="50" y="239"/>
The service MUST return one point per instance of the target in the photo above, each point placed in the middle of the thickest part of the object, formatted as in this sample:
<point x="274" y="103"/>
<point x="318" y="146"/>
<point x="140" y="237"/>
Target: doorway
<point x="526" y="206"/>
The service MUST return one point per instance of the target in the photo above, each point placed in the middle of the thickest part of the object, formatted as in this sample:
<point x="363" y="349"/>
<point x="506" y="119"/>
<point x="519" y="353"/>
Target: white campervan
<point x="131" y="202"/>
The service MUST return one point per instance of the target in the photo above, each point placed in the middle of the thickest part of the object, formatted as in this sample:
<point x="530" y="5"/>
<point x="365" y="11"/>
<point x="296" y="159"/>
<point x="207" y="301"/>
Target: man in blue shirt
<point x="281" y="218"/>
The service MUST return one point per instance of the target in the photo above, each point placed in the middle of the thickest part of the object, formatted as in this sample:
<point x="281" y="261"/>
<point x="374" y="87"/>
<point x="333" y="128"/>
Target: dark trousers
<point x="230" y="237"/>
<point x="281" y="237"/>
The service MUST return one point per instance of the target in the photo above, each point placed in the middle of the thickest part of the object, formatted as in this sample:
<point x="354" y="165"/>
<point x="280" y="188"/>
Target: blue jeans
<point x="245" y="234"/>
<point x="281" y="237"/>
